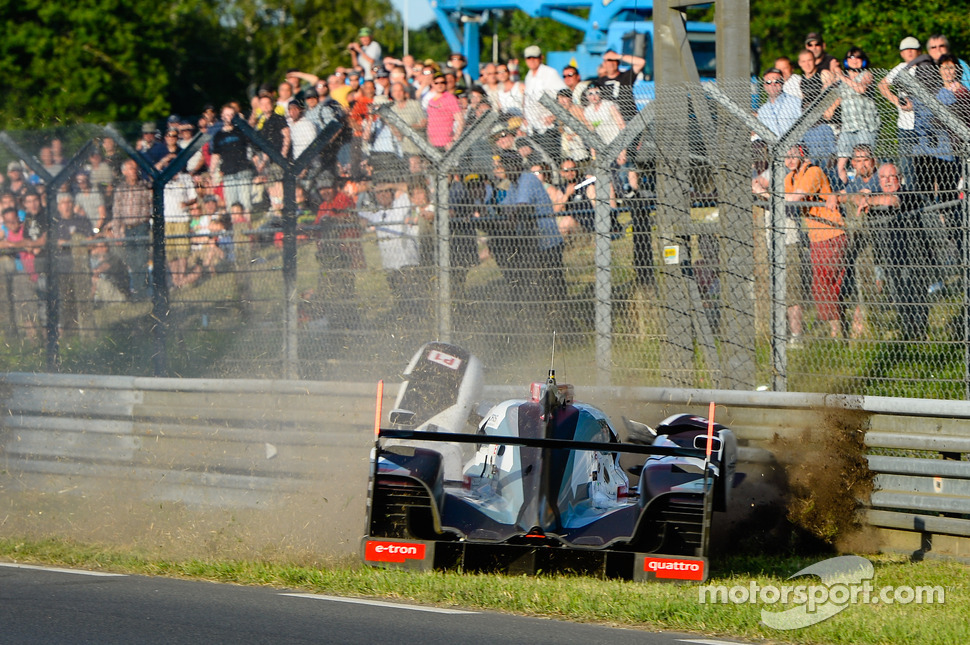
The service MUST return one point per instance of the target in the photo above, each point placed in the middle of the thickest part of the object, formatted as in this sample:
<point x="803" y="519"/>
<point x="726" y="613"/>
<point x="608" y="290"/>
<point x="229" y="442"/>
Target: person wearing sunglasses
<point x="860" y="116"/>
<point x="924" y="67"/>
<point x="445" y="118"/>
<point x="458" y="63"/>
<point x="574" y="199"/>
<point x="618" y="85"/>
<point x="935" y="169"/>
<point x="541" y="79"/>
<point x="423" y="85"/>
<point x="780" y="111"/>
<point x="576" y="86"/>
<point x="602" y="115"/>
<point x="816" y="44"/>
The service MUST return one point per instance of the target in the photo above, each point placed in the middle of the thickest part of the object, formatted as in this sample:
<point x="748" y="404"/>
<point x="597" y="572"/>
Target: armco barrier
<point x="251" y="467"/>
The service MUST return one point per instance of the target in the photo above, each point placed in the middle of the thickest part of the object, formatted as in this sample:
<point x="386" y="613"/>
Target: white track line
<point x="379" y="603"/>
<point x="79" y="572"/>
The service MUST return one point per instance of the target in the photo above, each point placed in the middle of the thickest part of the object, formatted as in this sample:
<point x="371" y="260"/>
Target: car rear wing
<point x="537" y="442"/>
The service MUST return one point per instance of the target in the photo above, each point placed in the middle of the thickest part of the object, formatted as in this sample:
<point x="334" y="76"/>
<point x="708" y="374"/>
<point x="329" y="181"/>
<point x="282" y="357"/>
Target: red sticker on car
<point x="449" y="361"/>
<point x="675" y="568"/>
<point x="375" y="551"/>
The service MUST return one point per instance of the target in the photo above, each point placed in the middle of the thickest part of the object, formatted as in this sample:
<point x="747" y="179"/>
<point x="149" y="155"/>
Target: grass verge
<point x="638" y="605"/>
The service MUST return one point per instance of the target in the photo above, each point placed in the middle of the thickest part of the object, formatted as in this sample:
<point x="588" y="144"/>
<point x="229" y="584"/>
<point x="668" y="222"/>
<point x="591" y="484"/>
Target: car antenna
<point x="552" y="363"/>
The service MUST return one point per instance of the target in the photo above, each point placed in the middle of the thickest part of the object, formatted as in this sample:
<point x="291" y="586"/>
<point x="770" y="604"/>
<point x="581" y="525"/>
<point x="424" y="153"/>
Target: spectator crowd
<point x="849" y="191"/>
<point x="522" y="192"/>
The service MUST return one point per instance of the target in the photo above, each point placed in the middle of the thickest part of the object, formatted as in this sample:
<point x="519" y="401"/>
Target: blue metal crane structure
<point x="624" y="26"/>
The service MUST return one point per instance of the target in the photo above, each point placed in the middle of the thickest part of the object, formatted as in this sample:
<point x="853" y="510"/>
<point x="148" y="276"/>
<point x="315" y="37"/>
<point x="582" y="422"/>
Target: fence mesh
<point x="804" y="235"/>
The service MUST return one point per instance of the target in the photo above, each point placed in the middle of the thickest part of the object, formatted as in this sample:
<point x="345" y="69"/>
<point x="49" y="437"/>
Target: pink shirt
<point x="441" y="119"/>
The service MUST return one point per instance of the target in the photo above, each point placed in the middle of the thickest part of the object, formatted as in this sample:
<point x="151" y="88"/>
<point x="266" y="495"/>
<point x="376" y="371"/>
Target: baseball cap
<point x="364" y="31"/>
<point x="814" y="37"/>
<point x="774" y="70"/>
<point x="499" y="131"/>
<point x="908" y="43"/>
<point x="532" y="51"/>
<point x="148" y="127"/>
<point x="14" y="166"/>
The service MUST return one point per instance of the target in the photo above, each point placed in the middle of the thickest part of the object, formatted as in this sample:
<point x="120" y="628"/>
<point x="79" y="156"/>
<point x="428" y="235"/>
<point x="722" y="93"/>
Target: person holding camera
<point x="860" y="116"/>
<point x="909" y="49"/>
<point x="366" y="53"/>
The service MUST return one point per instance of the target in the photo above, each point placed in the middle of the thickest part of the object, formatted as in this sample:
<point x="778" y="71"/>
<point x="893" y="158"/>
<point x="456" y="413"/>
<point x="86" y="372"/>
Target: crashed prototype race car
<point x="538" y="486"/>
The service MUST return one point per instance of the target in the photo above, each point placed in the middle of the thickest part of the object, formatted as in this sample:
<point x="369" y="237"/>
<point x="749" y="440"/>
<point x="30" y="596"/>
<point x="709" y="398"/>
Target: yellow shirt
<point x="340" y="95"/>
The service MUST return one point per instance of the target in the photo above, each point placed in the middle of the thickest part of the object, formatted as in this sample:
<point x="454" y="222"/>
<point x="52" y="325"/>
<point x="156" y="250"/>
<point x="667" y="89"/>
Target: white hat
<point x="532" y="51"/>
<point x="908" y="43"/>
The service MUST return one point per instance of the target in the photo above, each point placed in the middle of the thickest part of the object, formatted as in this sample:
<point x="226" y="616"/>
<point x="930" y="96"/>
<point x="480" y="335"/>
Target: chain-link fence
<point x="801" y="236"/>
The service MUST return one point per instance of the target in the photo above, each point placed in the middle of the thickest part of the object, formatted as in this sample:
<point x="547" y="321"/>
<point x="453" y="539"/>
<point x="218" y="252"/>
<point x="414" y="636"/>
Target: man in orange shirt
<point x="808" y="187"/>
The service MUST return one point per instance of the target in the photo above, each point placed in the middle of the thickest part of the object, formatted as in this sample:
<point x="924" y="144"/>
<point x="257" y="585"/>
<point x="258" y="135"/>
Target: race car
<point x="535" y="484"/>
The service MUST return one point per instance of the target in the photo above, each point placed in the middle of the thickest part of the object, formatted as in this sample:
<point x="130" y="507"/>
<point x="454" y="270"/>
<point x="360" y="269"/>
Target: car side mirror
<point x="402" y="417"/>
<point x="700" y="443"/>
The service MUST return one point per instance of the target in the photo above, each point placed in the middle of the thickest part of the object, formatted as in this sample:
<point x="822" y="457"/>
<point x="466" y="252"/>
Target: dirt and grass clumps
<point x="829" y="481"/>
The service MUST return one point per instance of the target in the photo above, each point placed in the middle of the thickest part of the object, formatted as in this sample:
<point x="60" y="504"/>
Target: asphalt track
<point x="51" y="606"/>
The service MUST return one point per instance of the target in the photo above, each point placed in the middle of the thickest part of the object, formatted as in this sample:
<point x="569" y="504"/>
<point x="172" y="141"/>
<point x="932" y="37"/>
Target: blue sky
<point x="419" y="11"/>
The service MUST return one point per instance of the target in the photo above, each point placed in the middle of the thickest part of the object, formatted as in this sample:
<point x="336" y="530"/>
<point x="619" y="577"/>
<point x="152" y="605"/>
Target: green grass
<point x="639" y="605"/>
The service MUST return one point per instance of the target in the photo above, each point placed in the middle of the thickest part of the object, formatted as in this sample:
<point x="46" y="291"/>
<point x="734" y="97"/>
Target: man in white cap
<point x="541" y="79"/>
<point x="149" y="145"/>
<point x="909" y="49"/>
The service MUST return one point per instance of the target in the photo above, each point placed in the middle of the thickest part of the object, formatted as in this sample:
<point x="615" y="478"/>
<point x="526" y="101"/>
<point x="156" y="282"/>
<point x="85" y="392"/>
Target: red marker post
<point x="380" y="401"/>
<point x="710" y="429"/>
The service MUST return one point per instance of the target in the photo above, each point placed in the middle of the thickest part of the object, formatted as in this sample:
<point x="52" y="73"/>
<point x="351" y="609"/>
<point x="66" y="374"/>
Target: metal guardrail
<point x="928" y="491"/>
<point x="261" y="446"/>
